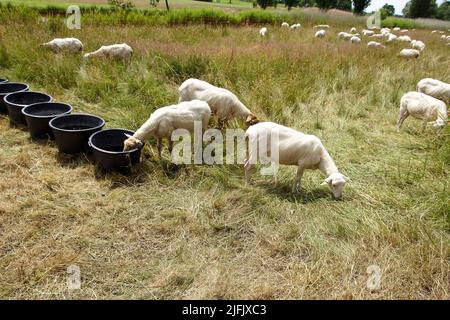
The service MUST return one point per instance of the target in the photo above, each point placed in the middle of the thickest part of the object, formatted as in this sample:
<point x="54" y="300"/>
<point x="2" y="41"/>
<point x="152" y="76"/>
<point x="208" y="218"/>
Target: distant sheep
<point x="391" y="37"/>
<point x="295" y="26"/>
<point x="320" y="34"/>
<point x="404" y="39"/>
<point x="285" y="25"/>
<point x="294" y="148"/>
<point x="422" y="106"/>
<point x="404" y="31"/>
<point x="165" y="120"/>
<point x="321" y="26"/>
<point x="70" y="45"/>
<point x="223" y="103"/>
<point x="353" y="30"/>
<point x="355" y="40"/>
<point x="417" y="44"/>
<point x="410" y="53"/>
<point x="263" y="31"/>
<point x="368" y="32"/>
<point x="345" y="35"/>
<point x="378" y="35"/>
<point x="435" y="88"/>
<point x="115" y="51"/>
<point x="396" y="29"/>
<point x="374" y="44"/>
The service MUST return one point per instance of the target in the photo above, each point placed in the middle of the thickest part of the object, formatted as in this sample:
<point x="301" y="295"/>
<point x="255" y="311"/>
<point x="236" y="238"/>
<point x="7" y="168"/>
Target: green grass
<point x="198" y="231"/>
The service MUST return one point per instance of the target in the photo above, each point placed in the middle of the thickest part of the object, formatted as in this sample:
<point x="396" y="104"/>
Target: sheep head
<point x="131" y="143"/>
<point x="251" y="120"/>
<point x="336" y="182"/>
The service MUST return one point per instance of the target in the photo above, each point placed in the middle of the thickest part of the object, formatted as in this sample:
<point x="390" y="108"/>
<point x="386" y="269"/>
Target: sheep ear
<point x="127" y="135"/>
<point x="326" y="181"/>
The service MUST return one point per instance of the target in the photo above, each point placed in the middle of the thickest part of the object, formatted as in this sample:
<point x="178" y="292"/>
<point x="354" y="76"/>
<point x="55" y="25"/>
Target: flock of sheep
<point x="386" y="34"/>
<point x="198" y="100"/>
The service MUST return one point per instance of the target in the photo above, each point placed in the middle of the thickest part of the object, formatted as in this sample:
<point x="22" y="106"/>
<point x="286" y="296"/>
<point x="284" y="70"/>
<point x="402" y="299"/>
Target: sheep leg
<point x="248" y="173"/>
<point x="297" y="180"/>
<point x="170" y="146"/>
<point x="403" y="114"/>
<point x="159" y="146"/>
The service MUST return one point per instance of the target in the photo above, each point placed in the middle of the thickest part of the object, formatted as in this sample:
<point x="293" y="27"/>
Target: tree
<point x="344" y="5"/>
<point x="306" y="3"/>
<point x="265" y="3"/>
<point x="154" y="3"/>
<point x="422" y="9"/>
<point x="360" y="5"/>
<point x="326" y="4"/>
<point x="443" y="12"/>
<point x="291" y="3"/>
<point x="390" y="9"/>
<point x="406" y="9"/>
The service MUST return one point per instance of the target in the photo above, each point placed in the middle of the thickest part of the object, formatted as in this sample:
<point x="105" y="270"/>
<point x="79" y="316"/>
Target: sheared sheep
<point x="435" y="88"/>
<point x="285" y="25"/>
<point x="353" y="30"/>
<point x="417" y="44"/>
<point x="120" y="51"/>
<point x="294" y="148"/>
<point x="410" y="53"/>
<point x="263" y="31"/>
<point x="321" y="26"/>
<point x="320" y="34"/>
<point x="70" y="45"/>
<point x="422" y="106"/>
<point x="404" y="39"/>
<point x="295" y="26"/>
<point x="396" y="29"/>
<point x="374" y="44"/>
<point x="165" y="120"/>
<point x="391" y="37"/>
<point x="224" y="104"/>
<point x="355" y="40"/>
<point x="345" y="35"/>
<point x="368" y="32"/>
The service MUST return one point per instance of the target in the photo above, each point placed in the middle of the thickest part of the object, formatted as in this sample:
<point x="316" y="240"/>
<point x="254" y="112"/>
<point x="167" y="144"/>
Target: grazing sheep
<point x="443" y="36"/>
<point x="417" y="44"/>
<point x="321" y="26"/>
<point x="165" y="120"/>
<point x="71" y="45"/>
<point x="378" y="35"/>
<point x="263" y="31"/>
<point x="345" y="35"/>
<point x="410" y="53"/>
<point x="391" y="37"/>
<point x="422" y="106"/>
<point x="355" y="40"/>
<point x="435" y="88"/>
<point x="115" y="51"/>
<point x="320" y="34"/>
<point x="374" y="44"/>
<point x="353" y="30"/>
<point x="385" y="31"/>
<point x="435" y="31"/>
<point x="294" y="148"/>
<point x="295" y="26"/>
<point x="404" y="39"/>
<point x="285" y="25"/>
<point x="396" y="29"/>
<point x="224" y="104"/>
<point x="404" y="31"/>
<point x="368" y="32"/>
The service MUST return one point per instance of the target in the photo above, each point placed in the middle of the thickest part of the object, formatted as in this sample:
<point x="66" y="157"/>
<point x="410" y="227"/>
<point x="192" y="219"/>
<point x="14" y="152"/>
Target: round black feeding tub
<point x="38" y="116"/>
<point x="72" y="131"/>
<point x="7" y="88"/>
<point x="19" y="100"/>
<point x="107" y="150"/>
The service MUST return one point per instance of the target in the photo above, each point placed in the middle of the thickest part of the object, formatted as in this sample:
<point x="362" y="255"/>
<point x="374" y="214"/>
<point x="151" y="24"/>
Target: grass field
<point x="198" y="231"/>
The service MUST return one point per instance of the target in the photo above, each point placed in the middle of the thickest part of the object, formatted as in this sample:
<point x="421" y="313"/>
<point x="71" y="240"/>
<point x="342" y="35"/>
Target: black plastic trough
<point x="107" y="150"/>
<point x="72" y="131"/>
<point x="19" y="100"/>
<point x="7" y="88"/>
<point x="38" y="116"/>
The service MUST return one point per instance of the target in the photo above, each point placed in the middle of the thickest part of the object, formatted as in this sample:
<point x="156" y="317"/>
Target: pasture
<point x="168" y="231"/>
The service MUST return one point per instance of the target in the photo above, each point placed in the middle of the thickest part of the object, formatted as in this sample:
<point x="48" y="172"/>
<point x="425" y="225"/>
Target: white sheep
<point x="321" y="26"/>
<point x="435" y="88"/>
<point x="374" y="44"/>
<point x="263" y="31"/>
<point x="385" y="31"/>
<point x="345" y="35"/>
<point x="70" y="45"/>
<point x="355" y="40"/>
<point x="410" y="53"/>
<point x="422" y="106"/>
<point x="295" y="26"/>
<point x="391" y="37"/>
<point x="353" y="30"/>
<point x="404" y="39"/>
<point x="115" y="51"/>
<point x="368" y="32"/>
<point x="285" y="25"/>
<point x="396" y="29"/>
<point x="294" y="148"/>
<point x="224" y="104"/>
<point x="378" y="35"/>
<point x="404" y="31"/>
<point x="320" y="34"/>
<point x="165" y="120"/>
<point x="417" y="44"/>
